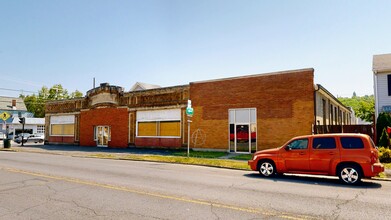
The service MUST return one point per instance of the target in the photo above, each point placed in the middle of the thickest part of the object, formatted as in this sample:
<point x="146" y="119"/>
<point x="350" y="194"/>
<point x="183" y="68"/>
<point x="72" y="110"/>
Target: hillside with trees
<point x="363" y="106"/>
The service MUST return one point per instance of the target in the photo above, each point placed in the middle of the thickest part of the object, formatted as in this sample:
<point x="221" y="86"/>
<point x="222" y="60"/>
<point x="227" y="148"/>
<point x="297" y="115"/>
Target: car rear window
<point x="324" y="143"/>
<point x="352" y="143"/>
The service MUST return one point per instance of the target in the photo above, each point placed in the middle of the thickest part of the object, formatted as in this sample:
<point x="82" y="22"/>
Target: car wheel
<point x="267" y="168"/>
<point x="40" y="141"/>
<point x="350" y="174"/>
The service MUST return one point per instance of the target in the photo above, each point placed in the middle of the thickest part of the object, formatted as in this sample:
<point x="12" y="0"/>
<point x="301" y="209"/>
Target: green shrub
<point x="384" y="140"/>
<point x="383" y="120"/>
<point x="384" y="155"/>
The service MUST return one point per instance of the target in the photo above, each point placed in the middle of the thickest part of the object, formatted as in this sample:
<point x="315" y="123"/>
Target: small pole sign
<point x="189" y="113"/>
<point x="189" y="109"/>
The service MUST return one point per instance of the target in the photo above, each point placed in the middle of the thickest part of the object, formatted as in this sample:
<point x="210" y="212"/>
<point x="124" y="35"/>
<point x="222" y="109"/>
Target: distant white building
<point x="382" y="83"/>
<point x="32" y="126"/>
<point x="15" y="108"/>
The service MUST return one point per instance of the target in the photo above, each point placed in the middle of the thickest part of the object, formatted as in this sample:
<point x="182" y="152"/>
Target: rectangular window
<point x="41" y="129"/>
<point x="352" y="143"/>
<point x="324" y="143"/>
<point x="159" y="123"/>
<point x="170" y="128"/>
<point x="389" y="84"/>
<point x="62" y="125"/>
<point x="62" y="130"/>
<point x="147" y="128"/>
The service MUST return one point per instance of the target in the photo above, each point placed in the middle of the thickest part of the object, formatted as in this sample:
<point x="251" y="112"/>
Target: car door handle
<point x="331" y="153"/>
<point x="302" y="153"/>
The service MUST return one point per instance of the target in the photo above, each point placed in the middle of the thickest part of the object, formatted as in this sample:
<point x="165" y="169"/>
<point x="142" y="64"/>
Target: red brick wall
<point x="116" y="118"/>
<point x="284" y="103"/>
<point x="61" y="139"/>
<point x="159" y="142"/>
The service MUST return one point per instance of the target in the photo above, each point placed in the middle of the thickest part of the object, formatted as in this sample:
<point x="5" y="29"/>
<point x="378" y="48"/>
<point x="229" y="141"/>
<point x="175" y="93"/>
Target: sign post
<point x="189" y="113"/>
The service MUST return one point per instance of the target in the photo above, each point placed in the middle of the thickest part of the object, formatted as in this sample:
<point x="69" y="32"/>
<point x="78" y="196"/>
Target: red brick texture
<point x="116" y="118"/>
<point x="284" y="102"/>
<point x="159" y="142"/>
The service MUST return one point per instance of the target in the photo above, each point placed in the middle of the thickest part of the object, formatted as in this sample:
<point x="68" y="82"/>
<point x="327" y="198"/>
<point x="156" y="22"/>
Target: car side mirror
<point x="288" y="147"/>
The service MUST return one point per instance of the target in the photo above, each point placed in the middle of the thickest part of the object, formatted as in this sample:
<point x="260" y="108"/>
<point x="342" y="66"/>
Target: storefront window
<point x="62" y="125"/>
<point x="159" y="123"/>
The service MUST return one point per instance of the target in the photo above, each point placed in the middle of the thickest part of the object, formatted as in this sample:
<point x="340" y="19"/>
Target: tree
<point x="36" y="103"/>
<point x="363" y="106"/>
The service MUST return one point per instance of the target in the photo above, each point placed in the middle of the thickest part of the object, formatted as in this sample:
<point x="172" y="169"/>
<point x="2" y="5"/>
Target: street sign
<point x="5" y="116"/>
<point x="189" y="111"/>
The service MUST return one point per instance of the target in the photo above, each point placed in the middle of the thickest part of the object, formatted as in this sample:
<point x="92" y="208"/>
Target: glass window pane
<point x="147" y="129"/>
<point x="242" y="116"/>
<point x="324" y="143"/>
<point x="352" y="143"/>
<point x="170" y="128"/>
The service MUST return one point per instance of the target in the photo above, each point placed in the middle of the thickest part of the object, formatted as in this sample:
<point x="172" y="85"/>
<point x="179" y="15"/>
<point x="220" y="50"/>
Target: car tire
<point x="350" y="174"/>
<point x="267" y="168"/>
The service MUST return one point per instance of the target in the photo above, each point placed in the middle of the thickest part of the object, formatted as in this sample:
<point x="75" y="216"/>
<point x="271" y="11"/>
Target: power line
<point x="17" y="90"/>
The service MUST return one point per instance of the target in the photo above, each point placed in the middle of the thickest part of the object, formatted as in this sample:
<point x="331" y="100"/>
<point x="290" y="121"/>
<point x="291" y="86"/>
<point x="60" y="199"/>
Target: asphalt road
<point x="43" y="186"/>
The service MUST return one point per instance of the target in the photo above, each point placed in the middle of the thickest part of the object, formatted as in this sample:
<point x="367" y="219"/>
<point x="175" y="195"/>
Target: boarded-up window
<point x="62" y="130"/>
<point x="170" y="128"/>
<point x="63" y="125"/>
<point x="159" y="123"/>
<point x="147" y="129"/>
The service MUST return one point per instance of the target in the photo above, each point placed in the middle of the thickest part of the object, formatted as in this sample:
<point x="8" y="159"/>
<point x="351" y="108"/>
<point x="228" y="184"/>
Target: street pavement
<point x="84" y="151"/>
<point x="49" y="186"/>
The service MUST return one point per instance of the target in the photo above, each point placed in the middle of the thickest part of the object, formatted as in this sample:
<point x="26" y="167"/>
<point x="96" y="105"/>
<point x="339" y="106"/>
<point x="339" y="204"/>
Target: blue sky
<point x="168" y="43"/>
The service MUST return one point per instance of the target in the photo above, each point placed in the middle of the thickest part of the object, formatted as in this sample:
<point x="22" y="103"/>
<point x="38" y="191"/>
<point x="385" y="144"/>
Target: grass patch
<point x="200" y="154"/>
<point x="242" y="157"/>
<point x="387" y="165"/>
<point x="178" y="159"/>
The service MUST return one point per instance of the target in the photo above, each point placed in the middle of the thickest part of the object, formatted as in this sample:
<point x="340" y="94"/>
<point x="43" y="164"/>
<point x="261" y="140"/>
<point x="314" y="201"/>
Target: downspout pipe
<point x="316" y="89"/>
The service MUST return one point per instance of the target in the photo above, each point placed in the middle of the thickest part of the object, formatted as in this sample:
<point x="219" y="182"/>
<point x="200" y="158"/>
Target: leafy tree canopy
<point x="363" y="106"/>
<point x="36" y="103"/>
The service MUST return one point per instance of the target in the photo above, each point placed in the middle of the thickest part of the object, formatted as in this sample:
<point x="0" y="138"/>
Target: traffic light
<point x="22" y="120"/>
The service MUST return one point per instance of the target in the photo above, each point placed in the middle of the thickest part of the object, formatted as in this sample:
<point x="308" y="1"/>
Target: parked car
<point x="29" y="138"/>
<point x="348" y="156"/>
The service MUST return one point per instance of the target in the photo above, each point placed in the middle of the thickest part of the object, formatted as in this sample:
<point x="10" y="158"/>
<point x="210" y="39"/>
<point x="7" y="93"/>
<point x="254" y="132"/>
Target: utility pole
<point x="22" y="120"/>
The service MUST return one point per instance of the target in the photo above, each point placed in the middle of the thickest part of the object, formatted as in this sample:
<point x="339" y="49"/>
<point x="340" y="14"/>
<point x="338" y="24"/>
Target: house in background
<point x="16" y="108"/>
<point x="381" y="67"/>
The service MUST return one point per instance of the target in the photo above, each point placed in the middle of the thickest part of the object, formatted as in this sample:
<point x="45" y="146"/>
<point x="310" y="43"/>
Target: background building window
<point x="41" y="129"/>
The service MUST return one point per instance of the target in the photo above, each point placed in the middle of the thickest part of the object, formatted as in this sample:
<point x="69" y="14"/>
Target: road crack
<point x="337" y="212"/>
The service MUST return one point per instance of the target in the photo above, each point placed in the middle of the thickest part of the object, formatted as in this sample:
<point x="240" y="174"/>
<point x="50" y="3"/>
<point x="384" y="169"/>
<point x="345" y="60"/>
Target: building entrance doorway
<point x="242" y="130"/>
<point x="102" y="136"/>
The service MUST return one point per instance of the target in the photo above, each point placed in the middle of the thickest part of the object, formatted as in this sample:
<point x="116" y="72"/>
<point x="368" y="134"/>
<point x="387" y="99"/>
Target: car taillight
<point x="373" y="157"/>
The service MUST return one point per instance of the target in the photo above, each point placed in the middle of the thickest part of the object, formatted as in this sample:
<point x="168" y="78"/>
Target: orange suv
<point x="348" y="156"/>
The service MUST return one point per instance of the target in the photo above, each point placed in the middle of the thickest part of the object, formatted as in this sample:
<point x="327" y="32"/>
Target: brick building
<point x="240" y="114"/>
